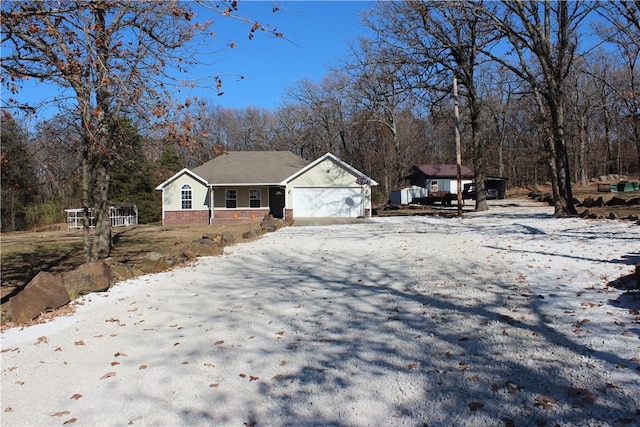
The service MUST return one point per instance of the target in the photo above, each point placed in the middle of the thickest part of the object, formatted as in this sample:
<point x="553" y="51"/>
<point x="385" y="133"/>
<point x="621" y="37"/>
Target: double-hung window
<point x="255" y="197"/>
<point x="231" y="199"/>
<point x="186" y="197"/>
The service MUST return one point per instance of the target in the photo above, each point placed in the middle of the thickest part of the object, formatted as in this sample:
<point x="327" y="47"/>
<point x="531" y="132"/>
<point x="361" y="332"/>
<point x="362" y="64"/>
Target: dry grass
<point x="24" y="254"/>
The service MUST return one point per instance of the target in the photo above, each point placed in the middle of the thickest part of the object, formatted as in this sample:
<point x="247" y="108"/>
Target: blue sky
<point x="316" y="36"/>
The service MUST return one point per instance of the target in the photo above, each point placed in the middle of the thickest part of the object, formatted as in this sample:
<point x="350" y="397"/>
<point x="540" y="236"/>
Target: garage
<point x="343" y="202"/>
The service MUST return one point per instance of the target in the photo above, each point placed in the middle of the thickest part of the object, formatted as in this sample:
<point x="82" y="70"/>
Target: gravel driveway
<point x="508" y="317"/>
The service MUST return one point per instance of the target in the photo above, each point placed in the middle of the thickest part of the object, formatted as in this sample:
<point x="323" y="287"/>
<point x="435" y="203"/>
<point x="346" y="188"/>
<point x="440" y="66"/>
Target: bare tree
<point x="108" y="57"/>
<point x="543" y="43"/>
<point x="436" y="41"/>
<point x="624" y="32"/>
<point x="378" y="95"/>
<point x="324" y="114"/>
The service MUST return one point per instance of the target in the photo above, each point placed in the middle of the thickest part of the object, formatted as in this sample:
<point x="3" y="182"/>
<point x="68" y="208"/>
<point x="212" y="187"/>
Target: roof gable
<point x="443" y="171"/>
<point x="345" y="165"/>
<point x="250" y="167"/>
<point x="175" y="176"/>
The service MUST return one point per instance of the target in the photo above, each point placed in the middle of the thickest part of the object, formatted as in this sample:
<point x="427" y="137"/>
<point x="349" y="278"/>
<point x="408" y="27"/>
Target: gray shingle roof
<point x="250" y="167"/>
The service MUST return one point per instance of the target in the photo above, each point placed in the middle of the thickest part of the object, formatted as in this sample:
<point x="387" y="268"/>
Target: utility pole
<point x="456" y="117"/>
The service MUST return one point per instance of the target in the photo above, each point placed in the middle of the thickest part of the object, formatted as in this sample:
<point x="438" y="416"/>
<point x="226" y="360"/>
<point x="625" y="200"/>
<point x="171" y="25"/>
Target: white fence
<point x="121" y="216"/>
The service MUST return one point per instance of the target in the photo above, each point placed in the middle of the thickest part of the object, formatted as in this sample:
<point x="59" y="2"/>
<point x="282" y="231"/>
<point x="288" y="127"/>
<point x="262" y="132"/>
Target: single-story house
<point x="437" y="178"/>
<point x="248" y="185"/>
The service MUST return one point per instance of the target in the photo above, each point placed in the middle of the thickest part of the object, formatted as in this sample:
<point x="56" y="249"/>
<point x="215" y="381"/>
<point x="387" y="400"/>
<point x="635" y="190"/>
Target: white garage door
<point x="327" y="202"/>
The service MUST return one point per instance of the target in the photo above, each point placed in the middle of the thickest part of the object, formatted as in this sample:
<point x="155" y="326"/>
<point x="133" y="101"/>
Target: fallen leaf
<point x="113" y="319"/>
<point x="176" y="344"/>
<point x="42" y="340"/>
<point x="276" y="377"/>
<point x="575" y="392"/>
<point x="58" y="349"/>
<point x="115" y="363"/>
<point x="280" y="333"/>
<point x="243" y="375"/>
<point x="251" y="337"/>
<point x="546" y="402"/>
<point x="253" y="378"/>
<point x="19" y="382"/>
<point x="60" y="413"/>
<point x="79" y="342"/>
<point x="474" y="406"/>
<point x="186" y="362"/>
<point x="76" y="396"/>
<point x="142" y="367"/>
<point x="412" y="366"/>
<point x="508" y="422"/>
<point x="118" y="354"/>
<point x="219" y="342"/>
<point x="215" y="385"/>
<point x="108" y="375"/>
<point x="70" y="421"/>
<point x="209" y="365"/>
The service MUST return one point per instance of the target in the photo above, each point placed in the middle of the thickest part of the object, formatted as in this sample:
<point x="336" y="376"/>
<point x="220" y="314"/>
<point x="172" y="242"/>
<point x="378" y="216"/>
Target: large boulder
<point x="90" y="277"/>
<point x="44" y="292"/>
<point x="589" y="202"/>
<point x="269" y="223"/>
<point x="224" y="238"/>
<point x="149" y="265"/>
<point x="616" y="201"/>
<point x="120" y="272"/>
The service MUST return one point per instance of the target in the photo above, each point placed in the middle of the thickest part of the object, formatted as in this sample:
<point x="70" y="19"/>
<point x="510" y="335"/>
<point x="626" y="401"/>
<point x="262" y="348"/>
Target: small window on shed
<point x="255" y="197"/>
<point x="186" y="197"/>
<point x="231" y="199"/>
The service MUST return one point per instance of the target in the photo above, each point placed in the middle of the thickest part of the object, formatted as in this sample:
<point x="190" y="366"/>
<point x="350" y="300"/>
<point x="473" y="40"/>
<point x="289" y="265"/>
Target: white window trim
<point x="183" y="190"/>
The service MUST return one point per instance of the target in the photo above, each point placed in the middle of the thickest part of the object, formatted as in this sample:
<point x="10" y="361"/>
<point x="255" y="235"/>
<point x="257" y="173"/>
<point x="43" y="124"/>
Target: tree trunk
<point x="86" y="201"/>
<point x="102" y="145"/>
<point x="582" y="152"/>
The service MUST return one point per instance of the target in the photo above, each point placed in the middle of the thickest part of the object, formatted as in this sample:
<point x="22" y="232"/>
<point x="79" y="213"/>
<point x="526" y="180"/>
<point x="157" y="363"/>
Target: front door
<point x="276" y="202"/>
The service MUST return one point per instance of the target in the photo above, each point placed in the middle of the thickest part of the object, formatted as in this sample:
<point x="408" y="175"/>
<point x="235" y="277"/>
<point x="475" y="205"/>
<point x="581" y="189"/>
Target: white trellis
<point x="121" y="216"/>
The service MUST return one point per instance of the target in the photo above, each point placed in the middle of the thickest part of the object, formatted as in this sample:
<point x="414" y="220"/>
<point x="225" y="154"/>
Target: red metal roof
<point x="444" y="171"/>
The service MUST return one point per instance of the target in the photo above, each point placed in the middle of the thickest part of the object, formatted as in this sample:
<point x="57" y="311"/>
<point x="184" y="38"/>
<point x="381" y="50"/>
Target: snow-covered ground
<point x="507" y="317"/>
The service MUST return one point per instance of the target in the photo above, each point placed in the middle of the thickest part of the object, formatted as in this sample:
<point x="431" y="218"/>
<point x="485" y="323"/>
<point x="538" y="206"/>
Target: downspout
<point x="212" y="215"/>
<point x="163" y="207"/>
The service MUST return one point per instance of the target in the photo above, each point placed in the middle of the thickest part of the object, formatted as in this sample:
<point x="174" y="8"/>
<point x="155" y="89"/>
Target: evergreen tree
<point x="132" y="178"/>
<point x="18" y="186"/>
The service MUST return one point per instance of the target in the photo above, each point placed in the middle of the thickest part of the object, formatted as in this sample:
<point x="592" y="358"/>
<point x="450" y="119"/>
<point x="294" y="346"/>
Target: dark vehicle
<point x="492" y="194"/>
<point x="469" y="192"/>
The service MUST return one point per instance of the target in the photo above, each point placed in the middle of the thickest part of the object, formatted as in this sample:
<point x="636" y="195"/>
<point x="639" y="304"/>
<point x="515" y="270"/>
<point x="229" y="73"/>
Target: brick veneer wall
<point x="229" y="216"/>
<point x="186" y="217"/>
